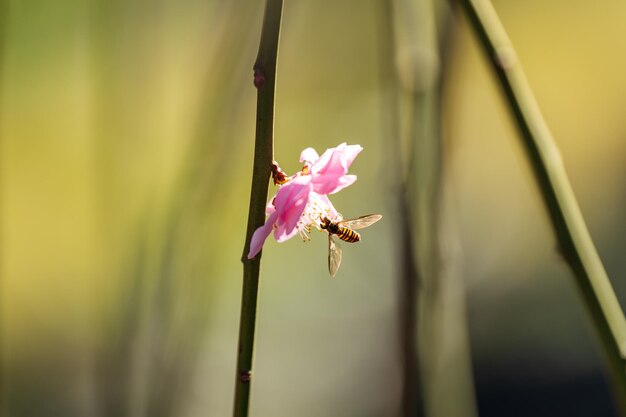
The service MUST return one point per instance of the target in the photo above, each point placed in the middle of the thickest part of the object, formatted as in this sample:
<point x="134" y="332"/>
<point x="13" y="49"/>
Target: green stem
<point x="265" y="81"/>
<point x="573" y="237"/>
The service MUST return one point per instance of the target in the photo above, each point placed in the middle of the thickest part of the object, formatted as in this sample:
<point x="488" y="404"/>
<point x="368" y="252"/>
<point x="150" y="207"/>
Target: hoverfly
<point x="345" y="230"/>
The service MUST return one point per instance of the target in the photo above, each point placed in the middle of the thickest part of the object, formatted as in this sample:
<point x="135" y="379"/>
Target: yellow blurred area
<point x="126" y="143"/>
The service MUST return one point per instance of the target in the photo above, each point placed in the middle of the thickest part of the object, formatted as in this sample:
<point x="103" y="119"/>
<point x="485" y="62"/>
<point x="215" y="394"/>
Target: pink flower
<point x="302" y="202"/>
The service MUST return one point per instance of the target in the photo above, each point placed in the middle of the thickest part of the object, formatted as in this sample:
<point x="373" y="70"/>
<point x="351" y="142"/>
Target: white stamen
<point x="315" y="210"/>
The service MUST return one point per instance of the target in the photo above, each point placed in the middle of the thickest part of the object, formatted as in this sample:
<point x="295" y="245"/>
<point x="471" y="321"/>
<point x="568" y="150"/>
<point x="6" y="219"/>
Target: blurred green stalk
<point x="573" y="237"/>
<point x="409" y="278"/>
<point x="434" y="349"/>
<point x="4" y="9"/>
<point x="265" y="81"/>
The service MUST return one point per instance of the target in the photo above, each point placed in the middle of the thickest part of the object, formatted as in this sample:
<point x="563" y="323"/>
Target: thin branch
<point x="264" y="81"/>
<point x="573" y="237"/>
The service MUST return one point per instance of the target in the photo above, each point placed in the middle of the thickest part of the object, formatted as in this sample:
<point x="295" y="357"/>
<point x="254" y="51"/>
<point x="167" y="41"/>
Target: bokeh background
<point x="126" y="134"/>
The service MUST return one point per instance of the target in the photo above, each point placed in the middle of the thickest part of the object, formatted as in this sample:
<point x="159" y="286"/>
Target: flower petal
<point x="290" y="202"/>
<point x="322" y="161"/>
<point x="282" y="233"/>
<point x="309" y="156"/>
<point x="330" y="185"/>
<point x="292" y="193"/>
<point x="335" y="165"/>
<point x="269" y="209"/>
<point x="329" y="172"/>
<point x="348" y="153"/>
<point x="260" y="234"/>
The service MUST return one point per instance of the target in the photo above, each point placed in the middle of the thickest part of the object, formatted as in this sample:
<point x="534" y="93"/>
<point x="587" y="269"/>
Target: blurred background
<point x="126" y="142"/>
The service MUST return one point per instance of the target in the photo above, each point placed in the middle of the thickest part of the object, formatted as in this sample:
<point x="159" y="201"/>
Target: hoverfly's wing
<point x="334" y="256"/>
<point x="361" y="222"/>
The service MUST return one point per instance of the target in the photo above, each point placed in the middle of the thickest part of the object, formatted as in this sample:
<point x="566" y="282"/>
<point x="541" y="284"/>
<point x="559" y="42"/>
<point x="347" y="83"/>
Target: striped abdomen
<point x="348" y="235"/>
